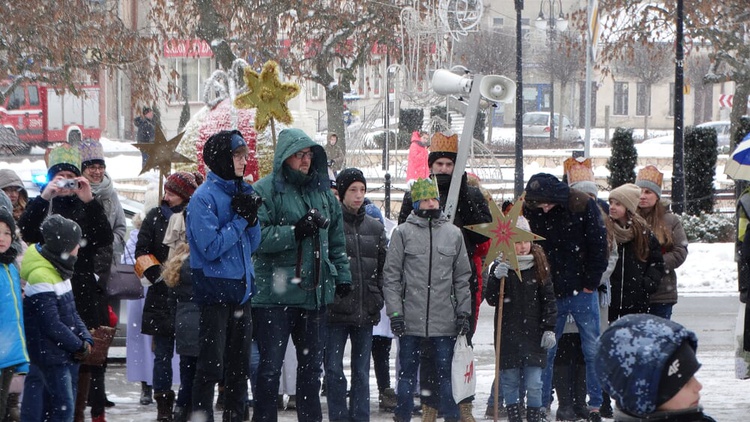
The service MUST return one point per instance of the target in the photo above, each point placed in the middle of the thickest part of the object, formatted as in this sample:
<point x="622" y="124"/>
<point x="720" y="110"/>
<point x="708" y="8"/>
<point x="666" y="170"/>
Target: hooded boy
<point x="223" y="233"/>
<point x="56" y="336"/>
<point x="300" y="264"/>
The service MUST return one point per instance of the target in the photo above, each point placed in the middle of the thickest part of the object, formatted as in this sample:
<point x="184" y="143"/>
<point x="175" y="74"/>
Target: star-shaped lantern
<point x="503" y="234"/>
<point x="161" y="153"/>
<point x="268" y="95"/>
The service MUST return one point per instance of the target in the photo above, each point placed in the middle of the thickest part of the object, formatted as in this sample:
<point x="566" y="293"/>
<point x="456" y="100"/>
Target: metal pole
<point x="550" y="39"/>
<point x="678" y="173"/>
<point x="589" y="63"/>
<point x="518" y="182"/>
<point x="387" y="198"/>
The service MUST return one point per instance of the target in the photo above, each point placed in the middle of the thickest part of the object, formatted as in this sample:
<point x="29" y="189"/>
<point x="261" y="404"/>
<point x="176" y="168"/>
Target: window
<point x="643" y="100"/>
<point x="314" y="90"/>
<point x="498" y="22"/>
<point x="17" y="99"/>
<point x="621" y="99"/>
<point x="671" y="99"/>
<point x="188" y="74"/>
<point x="361" y="81"/>
<point x="33" y="95"/>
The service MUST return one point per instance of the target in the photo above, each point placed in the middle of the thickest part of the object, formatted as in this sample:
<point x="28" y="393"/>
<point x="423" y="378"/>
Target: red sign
<point x="725" y="101"/>
<point x="195" y="48"/>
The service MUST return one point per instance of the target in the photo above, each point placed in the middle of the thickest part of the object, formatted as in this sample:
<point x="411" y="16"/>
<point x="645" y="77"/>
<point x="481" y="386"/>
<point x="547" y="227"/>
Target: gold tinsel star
<point x="503" y="234"/>
<point x="161" y="154"/>
<point x="268" y="95"/>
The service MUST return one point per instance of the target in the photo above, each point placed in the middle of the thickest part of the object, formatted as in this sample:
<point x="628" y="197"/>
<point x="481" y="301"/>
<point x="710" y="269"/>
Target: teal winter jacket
<point x="284" y="203"/>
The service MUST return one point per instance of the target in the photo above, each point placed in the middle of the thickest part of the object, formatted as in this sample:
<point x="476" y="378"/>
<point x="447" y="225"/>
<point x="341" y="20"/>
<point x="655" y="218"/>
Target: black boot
<point x="164" y="404"/>
<point x="181" y="414"/>
<point x="146" y="394"/>
<point x="534" y="414"/>
<point x="562" y="383"/>
<point x="514" y="412"/>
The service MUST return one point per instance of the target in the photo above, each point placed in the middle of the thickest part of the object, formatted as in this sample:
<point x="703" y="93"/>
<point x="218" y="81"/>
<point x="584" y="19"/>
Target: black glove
<point x="305" y="227"/>
<point x="246" y="206"/>
<point x="462" y="324"/>
<point x="153" y="273"/>
<point x="398" y="326"/>
<point x="83" y="352"/>
<point x="343" y="290"/>
<point x="602" y="288"/>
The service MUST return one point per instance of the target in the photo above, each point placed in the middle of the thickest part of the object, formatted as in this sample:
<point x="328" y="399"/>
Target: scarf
<point x="167" y="212"/>
<point x="525" y="262"/>
<point x="8" y="256"/>
<point x="296" y="177"/>
<point x="105" y="187"/>
<point x="623" y="234"/>
<point x="63" y="263"/>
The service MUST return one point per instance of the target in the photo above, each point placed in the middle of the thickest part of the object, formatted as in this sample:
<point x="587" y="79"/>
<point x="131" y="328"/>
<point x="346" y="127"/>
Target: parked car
<point x="536" y="128"/>
<point x="722" y="135"/>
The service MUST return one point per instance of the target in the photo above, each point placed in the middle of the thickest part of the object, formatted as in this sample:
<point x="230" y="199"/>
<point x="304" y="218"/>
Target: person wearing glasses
<point x="94" y="169"/>
<point x="575" y="241"/>
<point x="300" y="265"/>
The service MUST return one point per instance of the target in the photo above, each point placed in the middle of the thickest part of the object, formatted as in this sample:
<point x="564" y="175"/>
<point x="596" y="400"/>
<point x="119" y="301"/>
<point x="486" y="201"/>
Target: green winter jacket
<point x="284" y="203"/>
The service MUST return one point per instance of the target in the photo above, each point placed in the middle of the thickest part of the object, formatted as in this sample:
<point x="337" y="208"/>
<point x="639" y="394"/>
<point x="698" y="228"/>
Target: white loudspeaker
<point x="497" y="88"/>
<point x="445" y="82"/>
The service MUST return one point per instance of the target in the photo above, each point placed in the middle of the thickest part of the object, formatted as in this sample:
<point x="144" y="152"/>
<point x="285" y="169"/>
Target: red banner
<point x="195" y="48"/>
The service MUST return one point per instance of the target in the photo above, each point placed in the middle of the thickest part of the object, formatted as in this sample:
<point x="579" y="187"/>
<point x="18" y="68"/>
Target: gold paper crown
<point x="580" y="161"/>
<point x="579" y="173"/>
<point x="442" y="143"/>
<point x="650" y="174"/>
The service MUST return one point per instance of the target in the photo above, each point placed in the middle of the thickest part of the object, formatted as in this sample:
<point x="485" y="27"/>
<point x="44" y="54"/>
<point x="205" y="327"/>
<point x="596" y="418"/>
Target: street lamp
<point x="551" y="24"/>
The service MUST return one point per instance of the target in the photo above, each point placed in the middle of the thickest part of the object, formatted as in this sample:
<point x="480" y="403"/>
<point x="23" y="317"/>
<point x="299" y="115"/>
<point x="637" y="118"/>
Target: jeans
<point x="663" y="310"/>
<point x="163" y="353"/>
<point x="187" y="375"/>
<point x="584" y="307"/>
<point x="514" y="379"/>
<point x="49" y="393"/>
<point x="225" y="334"/>
<point x="308" y="331"/>
<point x="359" y="398"/>
<point x="381" y="355"/>
<point x="442" y="348"/>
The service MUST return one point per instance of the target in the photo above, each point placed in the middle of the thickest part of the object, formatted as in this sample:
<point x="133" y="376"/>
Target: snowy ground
<point x="709" y="271"/>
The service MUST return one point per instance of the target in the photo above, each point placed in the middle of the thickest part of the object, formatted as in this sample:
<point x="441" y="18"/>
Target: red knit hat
<point x="182" y="183"/>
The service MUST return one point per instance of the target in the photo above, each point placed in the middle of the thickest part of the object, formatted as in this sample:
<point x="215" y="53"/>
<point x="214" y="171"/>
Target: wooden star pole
<point x="161" y="155"/>
<point x="503" y="234"/>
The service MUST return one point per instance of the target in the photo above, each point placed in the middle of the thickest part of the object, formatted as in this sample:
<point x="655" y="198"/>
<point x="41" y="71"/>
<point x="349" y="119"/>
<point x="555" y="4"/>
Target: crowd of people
<point x="234" y="271"/>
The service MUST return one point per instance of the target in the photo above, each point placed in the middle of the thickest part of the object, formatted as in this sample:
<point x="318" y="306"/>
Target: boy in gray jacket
<point x="426" y="287"/>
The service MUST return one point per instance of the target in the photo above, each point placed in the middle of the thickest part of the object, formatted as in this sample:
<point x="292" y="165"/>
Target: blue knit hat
<point x="644" y="360"/>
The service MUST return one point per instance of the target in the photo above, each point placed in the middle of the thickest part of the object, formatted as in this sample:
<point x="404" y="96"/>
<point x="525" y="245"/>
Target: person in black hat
<point x="353" y="316"/>
<point x="223" y="232"/>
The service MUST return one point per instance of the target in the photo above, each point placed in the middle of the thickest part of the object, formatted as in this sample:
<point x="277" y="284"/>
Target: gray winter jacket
<point x="426" y="276"/>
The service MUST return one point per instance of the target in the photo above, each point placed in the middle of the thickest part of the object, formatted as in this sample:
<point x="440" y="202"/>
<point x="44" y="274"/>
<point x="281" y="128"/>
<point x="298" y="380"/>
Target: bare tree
<point x="488" y="52"/>
<point x="563" y="61"/>
<point x="323" y="41"/>
<point x="72" y="43"/>
<point x="650" y="65"/>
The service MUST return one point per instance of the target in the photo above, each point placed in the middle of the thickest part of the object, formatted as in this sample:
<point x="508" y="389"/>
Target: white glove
<point x="501" y="269"/>
<point x="548" y="340"/>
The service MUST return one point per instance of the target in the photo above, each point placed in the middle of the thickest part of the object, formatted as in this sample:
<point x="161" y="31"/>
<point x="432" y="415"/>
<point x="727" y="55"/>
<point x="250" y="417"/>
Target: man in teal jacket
<point x="300" y="264"/>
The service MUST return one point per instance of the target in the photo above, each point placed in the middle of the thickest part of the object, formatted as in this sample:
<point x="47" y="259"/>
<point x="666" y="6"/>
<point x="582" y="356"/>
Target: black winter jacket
<point x="633" y="280"/>
<point x="187" y="313"/>
<point x="366" y="248"/>
<point x="158" y="316"/>
<point x="529" y="309"/>
<point x="575" y="241"/>
<point x="89" y="295"/>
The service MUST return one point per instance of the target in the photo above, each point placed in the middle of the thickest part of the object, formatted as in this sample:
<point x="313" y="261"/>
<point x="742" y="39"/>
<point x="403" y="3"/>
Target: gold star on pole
<point x="161" y="153"/>
<point x="268" y="95"/>
<point x="503" y="234"/>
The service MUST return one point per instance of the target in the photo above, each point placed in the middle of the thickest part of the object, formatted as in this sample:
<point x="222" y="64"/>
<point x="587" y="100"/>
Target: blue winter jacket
<point x="221" y="243"/>
<point x="54" y="330"/>
<point x="13" y="352"/>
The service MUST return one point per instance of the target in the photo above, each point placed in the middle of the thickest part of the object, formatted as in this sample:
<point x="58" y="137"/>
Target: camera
<point x="320" y="221"/>
<point x="67" y="184"/>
